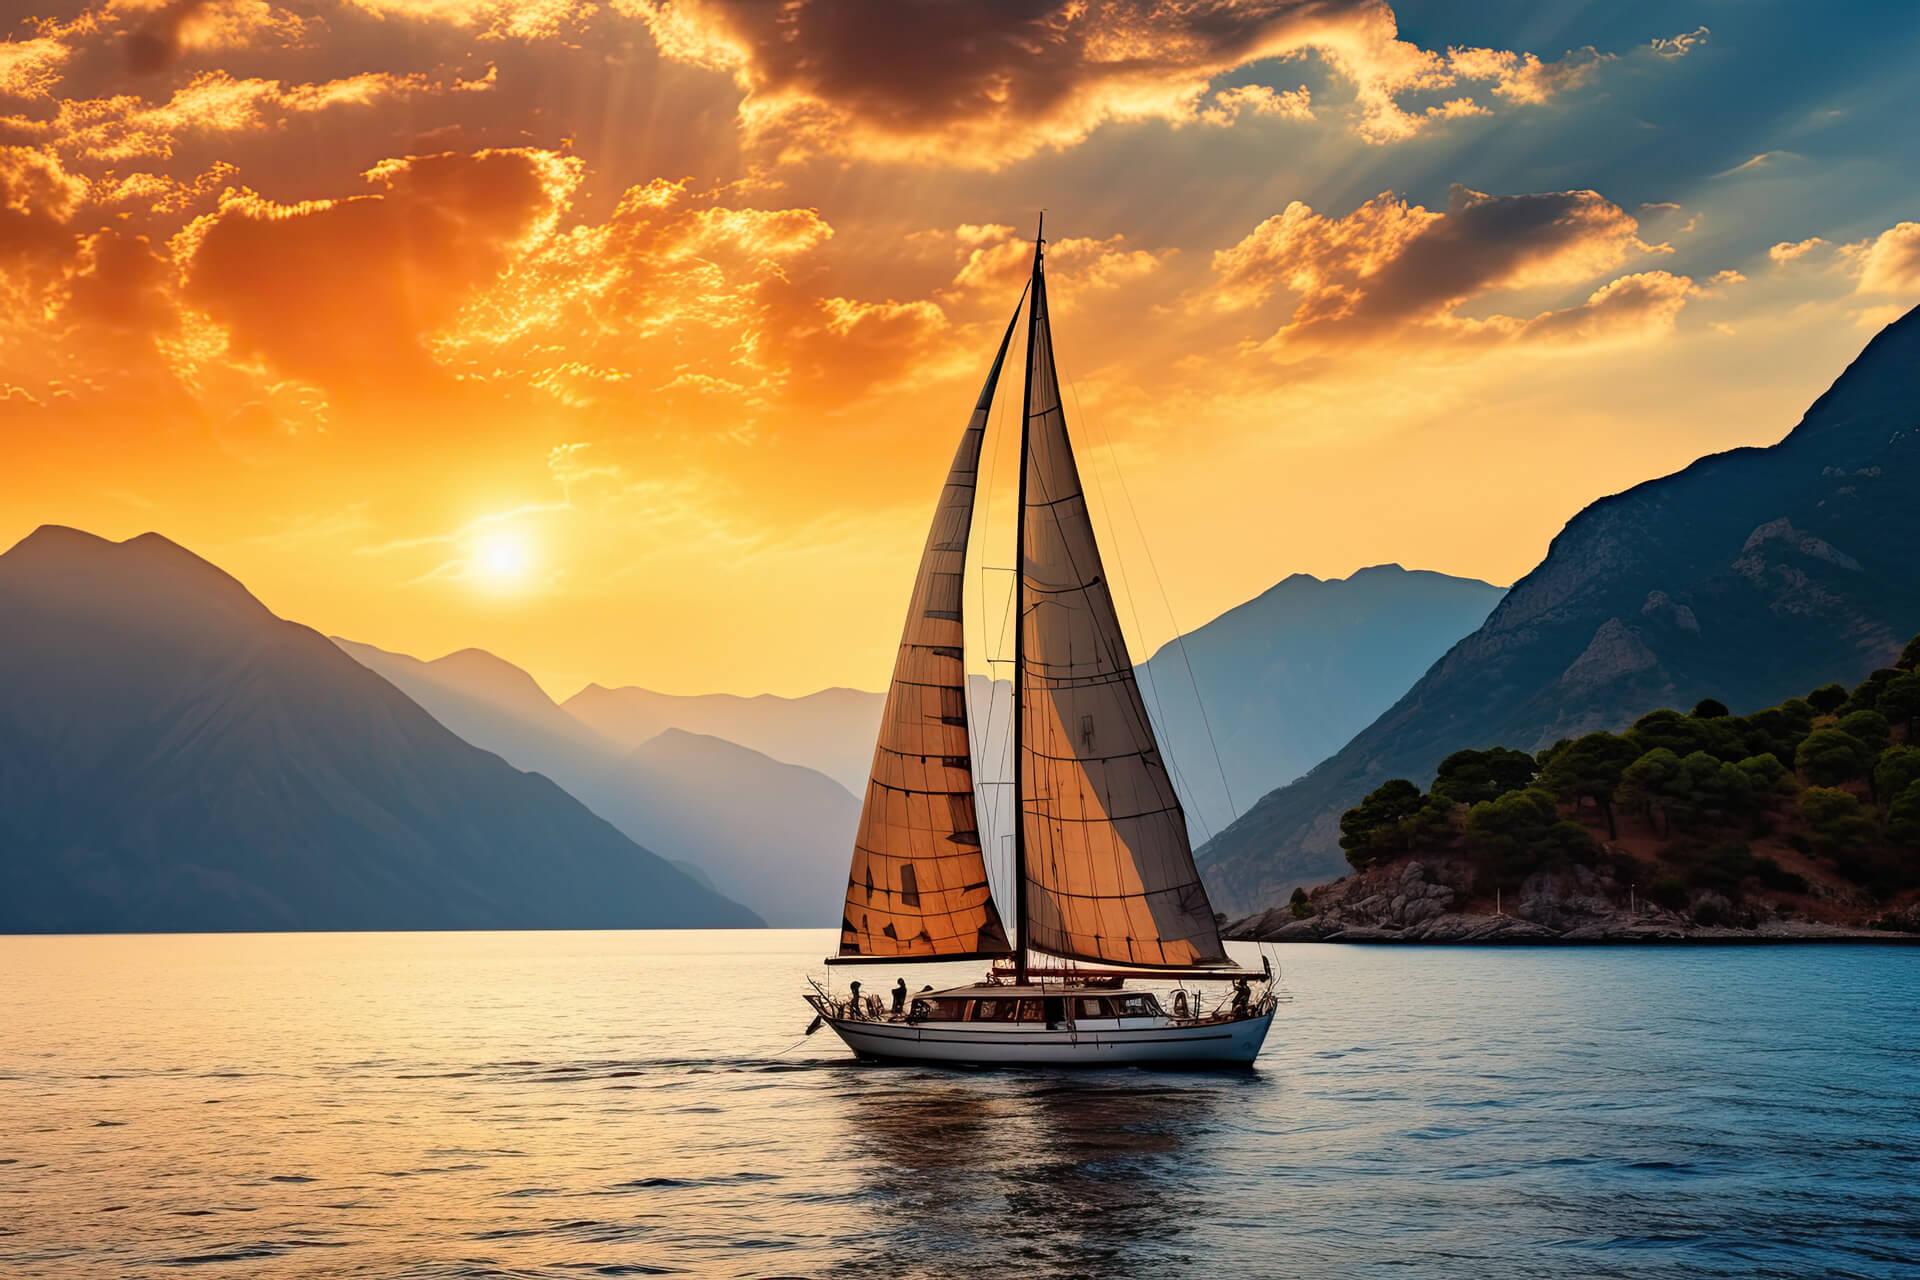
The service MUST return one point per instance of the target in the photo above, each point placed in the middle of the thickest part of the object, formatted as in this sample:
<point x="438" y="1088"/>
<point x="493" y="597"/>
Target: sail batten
<point x="1106" y="868"/>
<point x="917" y="888"/>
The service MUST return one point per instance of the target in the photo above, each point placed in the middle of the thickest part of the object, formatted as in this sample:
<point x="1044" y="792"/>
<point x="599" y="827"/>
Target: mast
<point x="1034" y="285"/>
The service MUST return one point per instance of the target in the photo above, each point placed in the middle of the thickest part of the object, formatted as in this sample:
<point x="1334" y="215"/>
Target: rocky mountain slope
<point x="1286" y="678"/>
<point x="175" y="757"/>
<point x="1745" y="577"/>
<point x="774" y="836"/>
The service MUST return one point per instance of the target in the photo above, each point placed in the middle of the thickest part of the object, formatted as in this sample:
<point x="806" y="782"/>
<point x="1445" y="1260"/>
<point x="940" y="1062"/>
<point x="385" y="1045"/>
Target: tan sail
<point x="918" y="887"/>
<point x="1108" y="869"/>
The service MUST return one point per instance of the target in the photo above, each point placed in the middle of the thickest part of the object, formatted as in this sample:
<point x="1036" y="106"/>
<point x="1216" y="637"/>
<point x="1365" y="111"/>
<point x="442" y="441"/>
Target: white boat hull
<point x="1203" y="1044"/>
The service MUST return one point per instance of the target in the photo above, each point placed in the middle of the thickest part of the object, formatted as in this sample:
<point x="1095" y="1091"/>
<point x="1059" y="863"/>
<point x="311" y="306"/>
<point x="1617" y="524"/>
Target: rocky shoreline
<point x="1409" y="904"/>
<point x="1501" y="930"/>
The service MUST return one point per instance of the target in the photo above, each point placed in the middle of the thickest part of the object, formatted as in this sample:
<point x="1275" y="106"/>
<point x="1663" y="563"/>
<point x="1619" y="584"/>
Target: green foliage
<point x="1869" y="726"/>
<point x="1520" y="831"/>
<point x="1866" y="694"/>
<point x="1711" y="912"/>
<point x="1647" y="783"/>
<point x="1828" y="756"/>
<point x="1843" y="831"/>
<point x="1389" y="822"/>
<point x="1900" y="701"/>
<point x="1716" y="790"/>
<point x="1828" y="698"/>
<point x="1841" y="828"/>
<point x="1781" y="729"/>
<point x="1668" y="729"/>
<point x="1896" y="770"/>
<point x="1589" y="767"/>
<point x="1299" y="904"/>
<point x="1765" y="774"/>
<point x="1688" y="792"/>
<point x="1546" y="757"/>
<point x="1469" y="777"/>
<point x="1910" y="656"/>
<point x="1903" y="816"/>
<point x="1697" y="778"/>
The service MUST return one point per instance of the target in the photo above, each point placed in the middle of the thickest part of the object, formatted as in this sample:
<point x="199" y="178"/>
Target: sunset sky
<point x="630" y="340"/>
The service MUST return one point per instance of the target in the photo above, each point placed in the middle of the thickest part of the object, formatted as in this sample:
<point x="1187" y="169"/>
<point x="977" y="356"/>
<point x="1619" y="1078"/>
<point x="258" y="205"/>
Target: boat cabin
<point x="1027" y="1005"/>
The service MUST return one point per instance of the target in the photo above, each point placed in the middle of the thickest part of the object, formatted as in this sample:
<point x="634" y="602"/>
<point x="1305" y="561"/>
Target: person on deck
<point x="1242" y="998"/>
<point x="899" y="997"/>
<point x="853" y="1001"/>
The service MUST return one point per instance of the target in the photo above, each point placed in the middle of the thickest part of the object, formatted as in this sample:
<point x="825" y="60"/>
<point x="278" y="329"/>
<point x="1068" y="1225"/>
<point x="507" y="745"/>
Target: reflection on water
<point x="1052" y="1170"/>
<point x="575" y="1105"/>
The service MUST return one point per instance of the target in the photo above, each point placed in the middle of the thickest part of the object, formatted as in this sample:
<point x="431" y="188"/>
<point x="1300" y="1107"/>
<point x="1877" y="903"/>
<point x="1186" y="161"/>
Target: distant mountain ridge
<point x="1286" y="678"/>
<point x="773" y="835"/>
<point x="1748" y="576"/>
<point x="175" y="757"/>
<point x="832" y="731"/>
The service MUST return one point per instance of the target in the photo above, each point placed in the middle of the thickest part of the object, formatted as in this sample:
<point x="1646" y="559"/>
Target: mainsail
<point x="918" y="887"/>
<point x="1108" y="871"/>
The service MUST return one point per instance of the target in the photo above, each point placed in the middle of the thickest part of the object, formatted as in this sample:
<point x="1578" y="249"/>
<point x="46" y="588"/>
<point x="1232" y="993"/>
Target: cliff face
<point x="1750" y="576"/>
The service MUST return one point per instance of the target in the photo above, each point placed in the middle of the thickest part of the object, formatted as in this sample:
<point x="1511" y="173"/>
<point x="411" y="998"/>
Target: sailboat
<point x="1104" y="888"/>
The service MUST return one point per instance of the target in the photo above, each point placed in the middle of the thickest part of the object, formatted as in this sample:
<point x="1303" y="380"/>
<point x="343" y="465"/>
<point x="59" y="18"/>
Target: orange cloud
<point x="38" y="197"/>
<point x="1888" y="263"/>
<point x="346" y="291"/>
<point x="1790" y="250"/>
<point x="1522" y="77"/>
<point x="1636" y="306"/>
<point x="31" y="68"/>
<point x="997" y="266"/>
<point x="1391" y="267"/>
<point x="982" y="85"/>
<point x="124" y="127"/>
<point x="695" y="309"/>
<point x="1227" y="106"/>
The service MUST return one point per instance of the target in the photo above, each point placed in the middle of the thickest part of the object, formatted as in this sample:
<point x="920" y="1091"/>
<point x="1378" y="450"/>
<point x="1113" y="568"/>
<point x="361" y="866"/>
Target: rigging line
<point x="1133" y="606"/>
<point x="1179" y="637"/>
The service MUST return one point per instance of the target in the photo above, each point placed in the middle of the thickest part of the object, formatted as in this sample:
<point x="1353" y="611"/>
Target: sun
<point x="502" y="559"/>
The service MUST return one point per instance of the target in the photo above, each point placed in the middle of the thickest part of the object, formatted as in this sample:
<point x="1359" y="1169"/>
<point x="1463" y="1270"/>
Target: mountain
<point x="498" y="707"/>
<point x="175" y="757"/>
<point x="832" y="731"/>
<point x="1286" y="678"/>
<point x="771" y="835"/>
<point x="1747" y="577"/>
<point x="777" y="836"/>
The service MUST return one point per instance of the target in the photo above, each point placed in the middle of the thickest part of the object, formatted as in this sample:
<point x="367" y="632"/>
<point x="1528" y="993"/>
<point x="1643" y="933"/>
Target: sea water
<point x="575" y="1105"/>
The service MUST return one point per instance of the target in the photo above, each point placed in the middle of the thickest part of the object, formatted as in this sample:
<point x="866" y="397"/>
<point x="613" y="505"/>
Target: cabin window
<point x="948" y="1010"/>
<point x="1093" y="1007"/>
<point x="1030" y="1011"/>
<point x="995" y="1010"/>
<point x="1137" y="1006"/>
